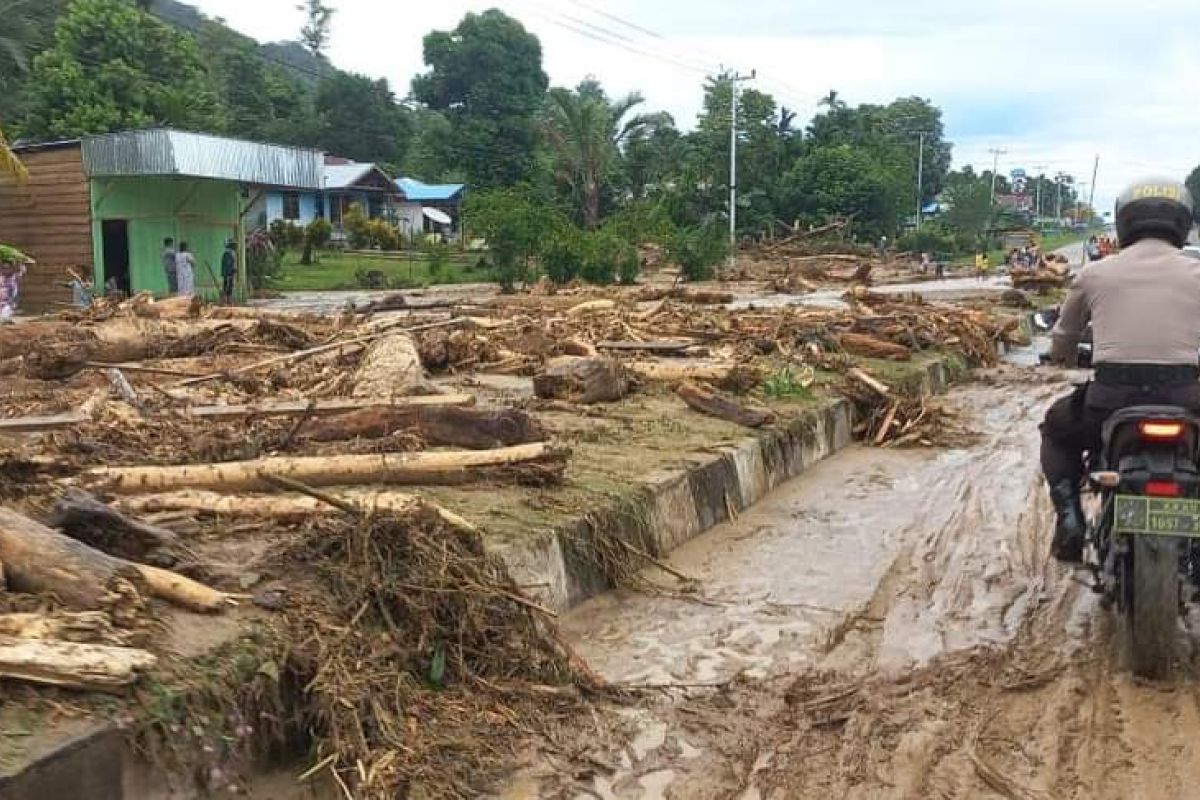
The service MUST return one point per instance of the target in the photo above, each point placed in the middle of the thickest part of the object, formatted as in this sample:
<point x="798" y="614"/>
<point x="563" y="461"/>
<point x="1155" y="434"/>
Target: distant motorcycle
<point x="1143" y="537"/>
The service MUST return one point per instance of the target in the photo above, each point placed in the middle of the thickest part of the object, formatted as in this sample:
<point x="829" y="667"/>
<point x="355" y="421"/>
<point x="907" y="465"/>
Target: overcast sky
<point x="1053" y="83"/>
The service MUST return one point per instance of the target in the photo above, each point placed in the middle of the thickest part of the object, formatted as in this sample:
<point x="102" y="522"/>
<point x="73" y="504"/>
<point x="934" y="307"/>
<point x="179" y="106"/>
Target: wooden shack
<point x="49" y="219"/>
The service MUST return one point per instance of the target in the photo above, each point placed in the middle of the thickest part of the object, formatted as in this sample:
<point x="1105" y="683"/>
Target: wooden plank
<point x="321" y="408"/>
<point x="41" y="423"/>
<point x="669" y="348"/>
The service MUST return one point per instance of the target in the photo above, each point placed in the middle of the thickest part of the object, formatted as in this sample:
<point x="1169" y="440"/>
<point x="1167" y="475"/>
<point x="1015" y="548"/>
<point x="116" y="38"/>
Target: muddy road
<point x="887" y="626"/>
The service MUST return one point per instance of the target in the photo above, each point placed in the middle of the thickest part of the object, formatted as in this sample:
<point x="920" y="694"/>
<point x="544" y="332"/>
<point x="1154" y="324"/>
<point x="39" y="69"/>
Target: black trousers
<point x="1073" y="423"/>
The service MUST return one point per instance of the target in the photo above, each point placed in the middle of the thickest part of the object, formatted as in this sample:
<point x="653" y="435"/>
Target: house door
<point x="115" y="233"/>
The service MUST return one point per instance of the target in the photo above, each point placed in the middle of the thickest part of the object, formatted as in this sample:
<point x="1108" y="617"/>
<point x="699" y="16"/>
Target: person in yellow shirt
<point x="983" y="265"/>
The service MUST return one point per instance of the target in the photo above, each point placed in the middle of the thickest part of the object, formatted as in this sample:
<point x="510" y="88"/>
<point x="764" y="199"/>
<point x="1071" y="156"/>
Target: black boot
<point x="1071" y="527"/>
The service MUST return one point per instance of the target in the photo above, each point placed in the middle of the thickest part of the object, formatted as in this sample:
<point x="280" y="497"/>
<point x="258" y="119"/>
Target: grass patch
<point x="340" y="271"/>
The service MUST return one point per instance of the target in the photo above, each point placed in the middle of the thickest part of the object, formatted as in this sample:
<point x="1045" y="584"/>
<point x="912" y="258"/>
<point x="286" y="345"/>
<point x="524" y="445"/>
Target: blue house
<point x="345" y="183"/>
<point x="429" y="207"/>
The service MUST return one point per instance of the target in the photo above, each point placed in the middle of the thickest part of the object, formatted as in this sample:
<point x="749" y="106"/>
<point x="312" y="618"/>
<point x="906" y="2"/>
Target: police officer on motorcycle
<point x="1144" y="308"/>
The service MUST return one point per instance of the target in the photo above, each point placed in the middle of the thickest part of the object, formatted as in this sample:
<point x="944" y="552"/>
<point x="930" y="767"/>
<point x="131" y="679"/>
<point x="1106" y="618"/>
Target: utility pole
<point x="734" y="79"/>
<point x="1037" y="202"/>
<point x="996" y="153"/>
<point x="1092" y="193"/>
<point x="920" y="173"/>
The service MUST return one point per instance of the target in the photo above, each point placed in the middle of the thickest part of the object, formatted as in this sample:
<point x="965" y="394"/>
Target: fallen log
<point x="347" y="344"/>
<point x="81" y="516"/>
<point x="709" y="402"/>
<point x="38" y="560"/>
<point x="582" y="380"/>
<point x="324" y="408"/>
<point x="661" y="348"/>
<point x="861" y="344"/>
<point x="82" y="627"/>
<point x="473" y="429"/>
<point x="700" y="297"/>
<point x="670" y="373"/>
<point x="447" y="467"/>
<point x="591" y="307"/>
<point x="870" y="382"/>
<point x="287" y="508"/>
<point x="91" y="667"/>
<point x="180" y="307"/>
<point x="34" y="424"/>
<point x="391" y="367"/>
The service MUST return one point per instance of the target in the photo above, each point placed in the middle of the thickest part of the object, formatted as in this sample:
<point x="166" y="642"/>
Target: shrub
<point x="382" y="234"/>
<point x="697" y="250"/>
<point x="263" y="259"/>
<point x="355" y="222"/>
<point x="562" y="257"/>
<point x="438" y="258"/>
<point x="316" y="236"/>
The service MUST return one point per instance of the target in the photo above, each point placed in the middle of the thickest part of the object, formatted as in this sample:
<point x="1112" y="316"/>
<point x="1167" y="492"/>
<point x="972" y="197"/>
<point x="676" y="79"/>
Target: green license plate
<point x="1157" y="516"/>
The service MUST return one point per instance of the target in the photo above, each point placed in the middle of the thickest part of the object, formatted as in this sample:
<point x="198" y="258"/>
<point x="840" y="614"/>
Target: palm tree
<point x="9" y="163"/>
<point x="586" y="132"/>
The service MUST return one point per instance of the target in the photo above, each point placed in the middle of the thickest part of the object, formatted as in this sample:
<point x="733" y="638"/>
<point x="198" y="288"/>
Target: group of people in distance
<point x="179" y="265"/>
<point x="1099" y="247"/>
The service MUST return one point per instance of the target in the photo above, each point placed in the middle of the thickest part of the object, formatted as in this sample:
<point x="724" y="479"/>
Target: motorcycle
<point x="1143" y="538"/>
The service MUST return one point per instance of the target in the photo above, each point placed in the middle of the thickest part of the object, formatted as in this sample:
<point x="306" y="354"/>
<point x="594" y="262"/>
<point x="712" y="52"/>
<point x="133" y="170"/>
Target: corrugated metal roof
<point x="343" y="176"/>
<point x="419" y="192"/>
<point x="169" y="152"/>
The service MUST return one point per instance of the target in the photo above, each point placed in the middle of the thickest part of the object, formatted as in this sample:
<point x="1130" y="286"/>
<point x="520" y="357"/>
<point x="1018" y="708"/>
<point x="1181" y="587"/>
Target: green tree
<point x="518" y="226"/>
<point x="317" y="23"/>
<point x="429" y="157"/>
<point x="653" y="155"/>
<point x="968" y="197"/>
<point x="113" y="66"/>
<point x="361" y="119"/>
<point x="840" y="180"/>
<point x="585" y="132"/>
<point x="486" y="77"/>
<point x="9" y="163"/>
<point x="26" y="28"/>
<point x="262" y="101"/>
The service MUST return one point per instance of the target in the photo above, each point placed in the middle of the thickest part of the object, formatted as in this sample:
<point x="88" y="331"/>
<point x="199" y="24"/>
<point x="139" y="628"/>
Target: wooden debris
<point x="661" y="348"/>
<point x="324" y="408"/>
<point x="83" y="627"/>
<point x="709" y="402"/>
<point x="444" y="467"/>
<point x="390" y="368"/>
<point x="861" y="344"/>
<point x="81" y="516"/>
<point x="582" y="380"/>
<point x="121" y="386"/>
<point x="591" y="307"/>
<point x="287" y="508"/>
<point x="474" y="429"/>
<point x="38" y="560"/>
<point x="671" y="373"/>
<point x="43" y="423"/>
<point x="91" y="667"/>
<point x="872" y="383"/>
<point x="700" y="297"/>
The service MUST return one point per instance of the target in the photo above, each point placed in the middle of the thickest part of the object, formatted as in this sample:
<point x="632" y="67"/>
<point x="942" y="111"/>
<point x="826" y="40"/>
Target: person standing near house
<point x="228" y="272"/>
<point x="185" y="271"/>
<point x="168" y="263"/>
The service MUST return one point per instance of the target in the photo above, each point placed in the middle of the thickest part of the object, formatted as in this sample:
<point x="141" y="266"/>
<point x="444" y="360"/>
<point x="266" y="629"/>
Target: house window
<point x="291" y="206"/>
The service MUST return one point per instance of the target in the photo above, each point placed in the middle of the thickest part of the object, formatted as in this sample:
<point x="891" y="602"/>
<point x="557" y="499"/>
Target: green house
<point x="150" y="185"/>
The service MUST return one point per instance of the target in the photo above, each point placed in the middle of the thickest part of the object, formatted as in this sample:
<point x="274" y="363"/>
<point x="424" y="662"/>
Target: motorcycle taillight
<point x="1161" y="430"/>
<point x="1163" y="489"/>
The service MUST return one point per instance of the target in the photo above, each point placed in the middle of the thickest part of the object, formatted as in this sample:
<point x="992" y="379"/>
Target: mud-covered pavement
<point x="888" y="626"/>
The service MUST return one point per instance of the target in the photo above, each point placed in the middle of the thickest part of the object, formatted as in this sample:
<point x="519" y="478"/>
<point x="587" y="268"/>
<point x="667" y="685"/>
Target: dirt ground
<point x="903" y="636"/>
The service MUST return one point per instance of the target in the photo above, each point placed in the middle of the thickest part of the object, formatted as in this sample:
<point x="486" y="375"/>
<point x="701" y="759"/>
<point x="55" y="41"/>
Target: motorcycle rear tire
<point x="1153" y="620"/>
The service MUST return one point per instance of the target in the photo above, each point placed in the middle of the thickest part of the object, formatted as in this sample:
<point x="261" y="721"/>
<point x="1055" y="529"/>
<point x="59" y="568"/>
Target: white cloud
<point x="1052" y="83"/>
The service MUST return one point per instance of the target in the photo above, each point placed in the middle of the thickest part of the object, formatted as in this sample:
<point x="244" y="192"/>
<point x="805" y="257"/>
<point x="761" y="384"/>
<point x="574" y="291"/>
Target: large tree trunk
<point x="861" y="344"/>
<point x="396" y="468"/>
<point x="38" y="560"/>
<point x="77" y="666"/>
<point x="391" y="367"/>
<point x="711" y="403"/>
<point x="474" y="429"/>
<point x="582" y="380"/>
